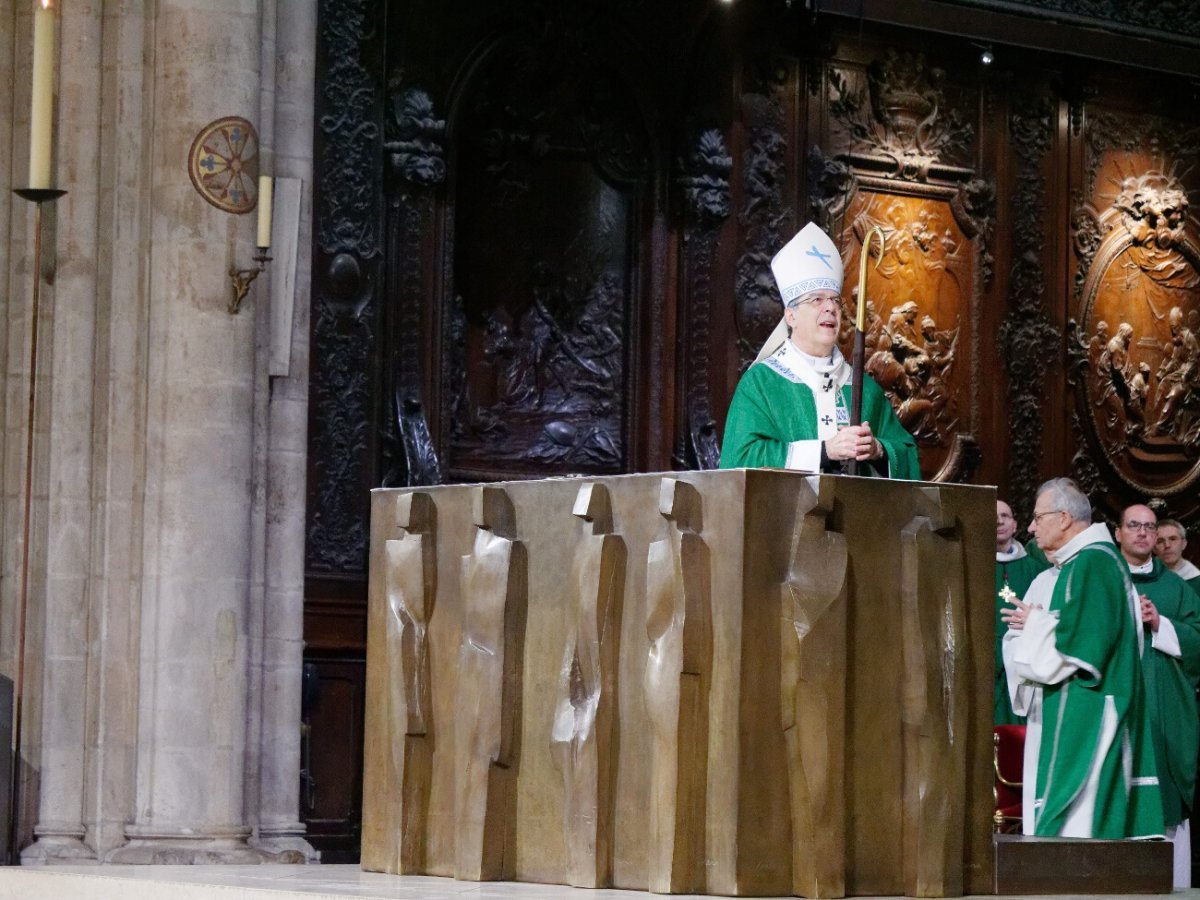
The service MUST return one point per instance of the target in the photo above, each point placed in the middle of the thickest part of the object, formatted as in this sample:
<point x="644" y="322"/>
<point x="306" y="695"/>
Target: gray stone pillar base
<point x="219" y="847"/>
<point x="62" y="848"/>
<point x="285" y="844"/>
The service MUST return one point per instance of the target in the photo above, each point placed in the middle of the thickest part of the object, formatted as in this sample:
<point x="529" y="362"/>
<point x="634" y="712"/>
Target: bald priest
<point x="792" y="407"/>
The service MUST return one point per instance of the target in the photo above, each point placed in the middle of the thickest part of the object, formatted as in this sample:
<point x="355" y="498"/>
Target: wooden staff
<point x="857" y="361"/>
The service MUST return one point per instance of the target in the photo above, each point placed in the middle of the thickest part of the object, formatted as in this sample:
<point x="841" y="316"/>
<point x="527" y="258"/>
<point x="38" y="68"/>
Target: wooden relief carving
<point x="921" y="295"/>
<point x="764" y="215"/>
<point x="1135" y="349"/>
<point x="493" y="591"/>
<point x="704" y="183"/>
<point x="934" y="701"/>
<point x="900" y="122"/>
<point x="411" y="592"/>
<point x="902" y="147"/>
<point x="550" y="163"/>
<point x="813" y="692"/>
<point x="416" y="157"/>
<point x="1139" y="316"/>
<point x="1131" y="233"/>
<point x="679" y="629"/>
<point x="1028" y="341"/>
<point x="1121" y="16"/>
<point x="346" y="261"/>
<point x="581" y="738"/>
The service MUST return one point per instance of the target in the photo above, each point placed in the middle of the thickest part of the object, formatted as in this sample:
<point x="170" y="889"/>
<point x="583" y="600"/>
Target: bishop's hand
<point x="853" y="442"/>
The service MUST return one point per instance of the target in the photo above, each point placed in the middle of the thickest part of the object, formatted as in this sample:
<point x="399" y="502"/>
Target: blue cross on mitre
<point x="823" y="257"/>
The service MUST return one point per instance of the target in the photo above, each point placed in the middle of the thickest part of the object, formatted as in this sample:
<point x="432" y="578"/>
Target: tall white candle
<point x="265" y="186"/>
<point x="41" y="104"/>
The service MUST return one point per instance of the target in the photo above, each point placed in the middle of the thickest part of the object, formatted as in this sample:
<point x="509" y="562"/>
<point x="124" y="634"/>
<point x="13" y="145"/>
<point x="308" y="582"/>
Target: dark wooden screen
<point x="542" y="235"/>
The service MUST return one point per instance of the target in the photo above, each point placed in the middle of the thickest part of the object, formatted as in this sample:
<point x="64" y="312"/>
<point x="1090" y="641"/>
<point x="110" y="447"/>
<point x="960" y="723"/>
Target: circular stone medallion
<point x="223" y="164"/>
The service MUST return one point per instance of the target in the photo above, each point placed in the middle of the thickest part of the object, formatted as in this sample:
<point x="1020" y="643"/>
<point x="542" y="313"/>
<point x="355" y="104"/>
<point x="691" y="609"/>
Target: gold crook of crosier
<point x="860" y="319"/>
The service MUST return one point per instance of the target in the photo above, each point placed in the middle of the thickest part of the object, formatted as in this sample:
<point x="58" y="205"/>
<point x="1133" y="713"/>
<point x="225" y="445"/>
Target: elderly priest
<point x="1072" y="659"/>
<point x="792" y="407"/>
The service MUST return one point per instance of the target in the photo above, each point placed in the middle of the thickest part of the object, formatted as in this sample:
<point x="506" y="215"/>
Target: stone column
<point x="280" y="831"/>
<point x="71" y="362"/>
<point x="196" y="550"/>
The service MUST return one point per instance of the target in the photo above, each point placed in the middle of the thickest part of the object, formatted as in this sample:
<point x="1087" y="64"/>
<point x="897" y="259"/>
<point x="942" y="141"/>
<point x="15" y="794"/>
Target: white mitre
<point x="808" y="262"/>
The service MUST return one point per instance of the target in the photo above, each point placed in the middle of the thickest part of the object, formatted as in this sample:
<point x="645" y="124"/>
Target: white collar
<point x="1186" y="570"/>
<point x="797" y="365"/>
<point x="1096" y="533"/>
<point x="1016" y="552"/>
<point x="1144" y="569"/>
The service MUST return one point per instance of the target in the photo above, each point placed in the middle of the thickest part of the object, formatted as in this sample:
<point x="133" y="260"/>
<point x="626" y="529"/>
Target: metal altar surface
<point x="744" y="682"/>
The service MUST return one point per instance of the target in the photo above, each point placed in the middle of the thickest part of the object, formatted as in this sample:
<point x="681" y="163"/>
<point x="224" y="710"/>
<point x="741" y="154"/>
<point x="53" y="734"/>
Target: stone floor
<point x="285" y="883"/>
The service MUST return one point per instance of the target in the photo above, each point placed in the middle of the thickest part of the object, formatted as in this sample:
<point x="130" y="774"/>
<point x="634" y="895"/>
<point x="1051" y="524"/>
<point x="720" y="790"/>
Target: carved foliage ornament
<point x="343" y="311"/>
<point x="418" y="147"/>
<point x="764" y="217"/>
<point x="704" y="182"/>
<point x="899" y="118"/>
<point x="1169" y="18"/>
<point x="1028" y="341"/>
<point x="704" y="177"/>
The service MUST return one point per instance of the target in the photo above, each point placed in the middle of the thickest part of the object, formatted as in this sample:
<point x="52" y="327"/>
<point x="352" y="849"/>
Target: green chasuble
<point x="1018" y="574"/>
<point x="770" y="410"/>
<point x="1097" y="632"/>
<point x="1171" y="689"/>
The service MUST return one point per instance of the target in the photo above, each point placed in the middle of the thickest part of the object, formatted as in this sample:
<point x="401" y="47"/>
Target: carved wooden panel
<point x="1135" y="346"/>
<point x="903" y="147"/>
<point x="347" y="255"/>
<point x="551" y="156"/>
<point x="1027" y="342"/>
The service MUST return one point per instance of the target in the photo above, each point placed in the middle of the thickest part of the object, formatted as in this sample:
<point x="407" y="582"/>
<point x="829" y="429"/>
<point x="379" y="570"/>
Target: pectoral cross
<point x="1008" y="595"/>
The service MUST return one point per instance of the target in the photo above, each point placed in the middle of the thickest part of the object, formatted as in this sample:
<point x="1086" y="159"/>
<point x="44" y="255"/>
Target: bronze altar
<point x="747" y="682"/>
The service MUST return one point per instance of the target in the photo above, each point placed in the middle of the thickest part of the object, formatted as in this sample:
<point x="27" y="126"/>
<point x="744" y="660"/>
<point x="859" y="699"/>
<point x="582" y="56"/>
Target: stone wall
<point x="162" y="657"/>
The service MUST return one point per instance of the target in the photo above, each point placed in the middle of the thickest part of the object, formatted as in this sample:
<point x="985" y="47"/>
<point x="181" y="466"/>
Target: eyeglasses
<point x="1141" y="526"/>
<point x="1049" y="512"/>
<point x="816" y="301"/>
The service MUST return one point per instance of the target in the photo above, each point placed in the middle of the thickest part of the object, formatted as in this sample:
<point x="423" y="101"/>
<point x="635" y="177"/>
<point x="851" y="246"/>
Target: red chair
<point x="1008" y="762"/>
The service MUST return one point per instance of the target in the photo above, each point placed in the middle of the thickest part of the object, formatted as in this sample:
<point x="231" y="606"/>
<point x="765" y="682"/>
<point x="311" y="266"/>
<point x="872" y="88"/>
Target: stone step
<point x="1042" y="865"/>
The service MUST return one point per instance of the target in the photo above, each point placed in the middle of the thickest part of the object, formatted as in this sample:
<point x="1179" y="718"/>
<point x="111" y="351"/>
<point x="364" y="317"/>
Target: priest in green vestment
<point x="1015" y="571"/>
<point x="1072" y="655"/>
<point x="1171" y="665"/>
<point x="1169" y="547"/>
<point x="792" y="407"/>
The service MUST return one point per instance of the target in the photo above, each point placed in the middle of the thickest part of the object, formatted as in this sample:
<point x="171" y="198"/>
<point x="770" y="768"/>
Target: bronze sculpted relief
<point x="581" y="736"/>
<point x="1140" y="311"/>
